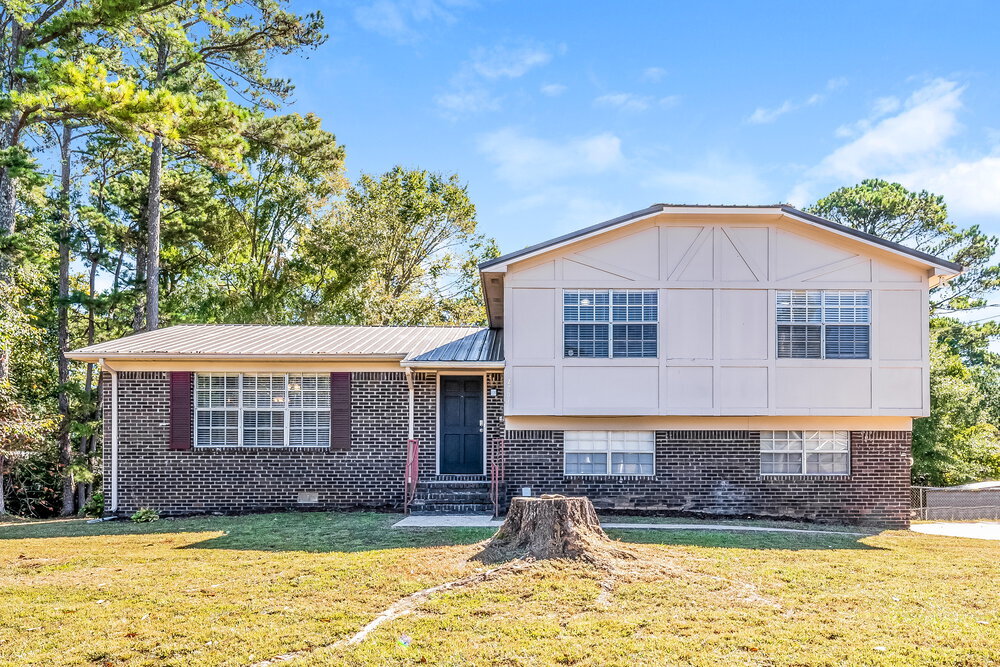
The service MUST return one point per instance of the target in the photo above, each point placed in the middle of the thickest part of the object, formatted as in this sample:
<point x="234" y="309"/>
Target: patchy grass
<point x="233" y="590"/>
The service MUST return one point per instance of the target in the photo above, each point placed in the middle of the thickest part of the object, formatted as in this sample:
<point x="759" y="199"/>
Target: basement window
<point x="262" y="409"/>
<point x="805" y="453"/>
<point x="608" y="452"/>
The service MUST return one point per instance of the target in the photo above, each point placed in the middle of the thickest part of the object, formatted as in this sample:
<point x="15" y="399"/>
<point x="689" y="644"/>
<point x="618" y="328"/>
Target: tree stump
<point x="550" y="527"/>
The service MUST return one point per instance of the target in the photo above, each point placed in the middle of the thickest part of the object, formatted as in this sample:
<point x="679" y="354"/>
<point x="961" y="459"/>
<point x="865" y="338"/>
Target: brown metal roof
<point x="451" y="344"/>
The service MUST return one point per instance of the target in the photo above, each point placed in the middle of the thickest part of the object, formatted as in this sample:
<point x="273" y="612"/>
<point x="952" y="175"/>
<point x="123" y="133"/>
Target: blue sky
<point x="559" y="115"/>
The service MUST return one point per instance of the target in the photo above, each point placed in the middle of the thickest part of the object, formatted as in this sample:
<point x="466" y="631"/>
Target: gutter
<point x="409" y="384"/>
<point x="113" y="434"/>
<point x="82" y="355"/>
<point x="451" y="364"/>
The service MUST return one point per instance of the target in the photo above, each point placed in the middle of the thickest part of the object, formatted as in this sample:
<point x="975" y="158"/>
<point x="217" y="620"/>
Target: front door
<point x="461" y="425"/>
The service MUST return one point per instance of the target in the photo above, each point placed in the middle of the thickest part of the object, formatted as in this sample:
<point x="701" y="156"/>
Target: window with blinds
<point x="823" y="324"/>
<point x="262" y="410"/>
<point x="610" y="323"/>
<point x="805" y="453"/>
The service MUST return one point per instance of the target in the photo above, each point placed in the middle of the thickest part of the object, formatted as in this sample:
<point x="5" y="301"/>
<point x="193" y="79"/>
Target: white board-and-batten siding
<point x="717" y="284"/>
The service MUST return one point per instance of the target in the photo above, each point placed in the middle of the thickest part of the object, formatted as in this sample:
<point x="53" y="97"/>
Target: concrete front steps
<point x="453" y="494"/>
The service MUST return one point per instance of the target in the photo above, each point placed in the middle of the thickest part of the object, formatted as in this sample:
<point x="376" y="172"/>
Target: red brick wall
<point x="717" y="472"/>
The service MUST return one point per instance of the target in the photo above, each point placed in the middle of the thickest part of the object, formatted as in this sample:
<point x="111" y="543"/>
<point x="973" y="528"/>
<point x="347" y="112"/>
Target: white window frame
<point x="824" y="323"/>
<point x="611" y="322"/>
<point x="608" y="449"/>
<point x="805" y="439"/>
<point x="240" y="409"/>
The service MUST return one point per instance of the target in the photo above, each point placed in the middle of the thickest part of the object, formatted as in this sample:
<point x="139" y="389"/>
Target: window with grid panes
<point x="608" y="452"/>
<point x="262" y="410"/>
<point x="610" y="323"/>
<point x="823" y="324"/>
<point x="805" y="453"/>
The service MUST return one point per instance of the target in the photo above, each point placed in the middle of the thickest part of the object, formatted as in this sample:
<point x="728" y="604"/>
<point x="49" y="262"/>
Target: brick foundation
<point x="717" y="472"/>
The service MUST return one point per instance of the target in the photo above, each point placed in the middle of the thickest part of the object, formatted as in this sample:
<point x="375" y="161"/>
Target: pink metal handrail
<point x="411" y="474"/>
<point x="498" y="472"/>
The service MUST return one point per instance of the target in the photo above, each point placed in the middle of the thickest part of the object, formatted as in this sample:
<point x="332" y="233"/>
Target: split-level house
<point x="719" y="360"/>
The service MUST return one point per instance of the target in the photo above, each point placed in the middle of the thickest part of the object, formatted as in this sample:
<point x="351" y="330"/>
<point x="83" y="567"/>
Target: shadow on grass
<point x="724" y="539"/>
<point x="317" y="532"/>
<point x="351" y="532"/>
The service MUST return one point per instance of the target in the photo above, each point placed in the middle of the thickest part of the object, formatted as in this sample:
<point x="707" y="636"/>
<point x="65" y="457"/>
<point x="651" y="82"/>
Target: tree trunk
<point x="550" y="527"/>
<point x="153" y="236"/>
<point x="65" y="445"/>
<point x="3" y="486"/>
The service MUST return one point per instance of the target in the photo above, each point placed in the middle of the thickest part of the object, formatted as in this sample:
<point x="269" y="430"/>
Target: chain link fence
<point x="956" y="503"/>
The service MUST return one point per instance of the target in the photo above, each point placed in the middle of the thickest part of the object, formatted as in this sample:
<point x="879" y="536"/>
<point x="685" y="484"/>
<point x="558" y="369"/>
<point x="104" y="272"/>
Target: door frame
<point x="437" y="415"/>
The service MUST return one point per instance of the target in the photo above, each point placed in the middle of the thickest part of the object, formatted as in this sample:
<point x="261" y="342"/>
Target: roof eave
<point x="451" y="364"/>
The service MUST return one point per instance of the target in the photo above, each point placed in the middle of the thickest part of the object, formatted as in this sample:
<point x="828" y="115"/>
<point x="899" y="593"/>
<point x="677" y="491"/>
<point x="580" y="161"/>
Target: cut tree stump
<point x="551" y="527"/>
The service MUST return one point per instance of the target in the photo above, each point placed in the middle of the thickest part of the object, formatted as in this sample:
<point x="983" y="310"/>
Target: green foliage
<point x="920" y="220"/>
<point x="145" y="515"/>
<point x="95" y="505"/>
<point x="416" y="237"/>
<point x="960" y="441"/>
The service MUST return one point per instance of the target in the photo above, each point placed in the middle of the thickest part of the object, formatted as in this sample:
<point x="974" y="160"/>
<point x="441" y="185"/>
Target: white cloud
<point x="633" y="102"/>
<point x="653" y="74"/>
<point x="553" y="89"/>
<point x="969" y="187"/>
<point x="911" y="147"/>
<point x="508" y="62"/>
<point x="522" y="160"/>
<point x="467" y="100"/>
<point x="715" y="179"/>
<point x="626" y="101"/>
<point x="762" y="115"/>
<point x="399" y="19"/>
<point x="471" y="88"/>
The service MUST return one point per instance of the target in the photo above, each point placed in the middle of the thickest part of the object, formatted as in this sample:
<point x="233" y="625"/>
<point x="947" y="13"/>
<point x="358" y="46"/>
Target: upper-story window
<point x="610" y="323"/>
<point x="824" y="324"/>
<point x="262" y="410"/>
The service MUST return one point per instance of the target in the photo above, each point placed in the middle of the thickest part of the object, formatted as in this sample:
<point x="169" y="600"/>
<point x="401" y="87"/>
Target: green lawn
<point x="226" y="590"/>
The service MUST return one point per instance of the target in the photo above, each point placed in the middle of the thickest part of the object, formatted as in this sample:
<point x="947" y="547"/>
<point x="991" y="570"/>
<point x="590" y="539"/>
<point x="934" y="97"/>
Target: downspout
<point x="113" y="436"/>
<point x="409" y="383"/>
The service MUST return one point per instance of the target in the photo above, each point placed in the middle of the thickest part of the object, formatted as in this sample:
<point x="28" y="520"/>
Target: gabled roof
<point x="250" y="341"/>
<point x="781" y="209"/>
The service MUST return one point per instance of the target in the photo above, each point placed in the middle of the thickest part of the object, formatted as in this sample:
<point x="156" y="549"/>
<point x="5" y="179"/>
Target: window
<point x="610" y="323"/>
<point x="805" y="453"/>
<point x="262" y="410"/>
<point x="609" y="452"/>
<point x="823" y="324"/>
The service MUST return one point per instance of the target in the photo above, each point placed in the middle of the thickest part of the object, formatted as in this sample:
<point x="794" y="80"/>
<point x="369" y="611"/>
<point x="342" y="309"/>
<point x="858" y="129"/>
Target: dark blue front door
<point x="461" y="425"/>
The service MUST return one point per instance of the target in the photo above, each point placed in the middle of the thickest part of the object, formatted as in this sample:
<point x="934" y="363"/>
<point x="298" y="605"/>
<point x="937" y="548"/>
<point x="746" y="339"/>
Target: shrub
<point x="94" y="506"/>
<point x="146" y="515"/>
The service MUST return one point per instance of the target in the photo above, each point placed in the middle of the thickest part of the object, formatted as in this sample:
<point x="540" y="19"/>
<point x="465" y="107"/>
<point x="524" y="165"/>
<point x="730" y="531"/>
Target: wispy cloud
<point x="522" y="160"/>
<point x="653" y="74"/>
<point x="912" y="145"/>
<point x="633" y="102"/>
<point x="762" y="115"/>
<point x="471" y="88"/>
<point x="508" y="62"/>
<point x="402" y="20"/>
<point x="553" y="89"/>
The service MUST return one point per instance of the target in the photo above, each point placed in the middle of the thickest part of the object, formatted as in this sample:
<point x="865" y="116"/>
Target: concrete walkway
<point x="485" y="521"/>
<point x="980" y="530"/>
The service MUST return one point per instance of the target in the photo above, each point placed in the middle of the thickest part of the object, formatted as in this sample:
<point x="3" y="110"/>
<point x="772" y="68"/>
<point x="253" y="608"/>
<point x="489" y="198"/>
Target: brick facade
<point x="711" y="472"/>
<point x="197" y="480"/>
<point x="717" y="472"/>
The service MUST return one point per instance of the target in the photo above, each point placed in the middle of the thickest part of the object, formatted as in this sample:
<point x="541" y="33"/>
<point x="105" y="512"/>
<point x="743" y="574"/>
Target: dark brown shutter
<point x="180" y="410"/>
<point x="340" y="410"/>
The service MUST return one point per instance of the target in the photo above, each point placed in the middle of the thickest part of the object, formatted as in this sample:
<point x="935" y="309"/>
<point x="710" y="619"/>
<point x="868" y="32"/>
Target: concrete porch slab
<point x="486" y="521"/>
